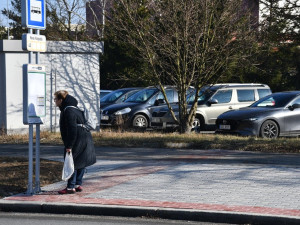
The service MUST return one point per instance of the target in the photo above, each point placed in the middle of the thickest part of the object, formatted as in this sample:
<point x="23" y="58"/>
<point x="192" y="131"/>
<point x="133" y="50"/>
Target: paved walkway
<point x="210" y="185"/>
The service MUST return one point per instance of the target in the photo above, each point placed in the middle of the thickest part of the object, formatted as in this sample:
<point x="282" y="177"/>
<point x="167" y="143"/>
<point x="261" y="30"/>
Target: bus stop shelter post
<point x="30" y="161"/>
<point x="37" y="160"/>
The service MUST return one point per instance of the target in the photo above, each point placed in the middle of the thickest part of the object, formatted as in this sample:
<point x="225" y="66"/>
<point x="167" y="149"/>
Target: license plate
<point x="104" y="117"/>
<point x="155" y="120"/>
<point x="225" y="127"/>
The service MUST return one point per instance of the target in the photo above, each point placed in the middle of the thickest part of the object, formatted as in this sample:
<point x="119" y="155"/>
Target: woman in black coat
<point x="76" y="139"/>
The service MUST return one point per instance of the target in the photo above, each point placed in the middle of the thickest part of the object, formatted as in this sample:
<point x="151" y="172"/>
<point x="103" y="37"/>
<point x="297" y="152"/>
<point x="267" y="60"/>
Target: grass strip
<point x="172" y="140"/>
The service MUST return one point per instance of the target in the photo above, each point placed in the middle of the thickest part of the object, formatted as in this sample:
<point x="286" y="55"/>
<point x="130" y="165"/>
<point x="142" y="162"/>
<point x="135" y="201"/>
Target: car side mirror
<point x="212" y="101"/>
<point x="159" y="102"/>
<point x="294" y="106"/>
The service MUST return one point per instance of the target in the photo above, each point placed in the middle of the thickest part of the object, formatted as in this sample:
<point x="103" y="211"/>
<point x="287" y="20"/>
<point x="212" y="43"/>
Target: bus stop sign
<point x="34" y="14"/>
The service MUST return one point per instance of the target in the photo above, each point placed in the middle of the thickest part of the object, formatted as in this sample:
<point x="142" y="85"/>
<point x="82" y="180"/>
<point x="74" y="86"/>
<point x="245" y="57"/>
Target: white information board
<point x="34" y="93"/>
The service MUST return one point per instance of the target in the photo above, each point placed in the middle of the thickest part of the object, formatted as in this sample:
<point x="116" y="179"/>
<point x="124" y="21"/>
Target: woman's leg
<point x="72" y="180"/>
<point x="79" y="176"/>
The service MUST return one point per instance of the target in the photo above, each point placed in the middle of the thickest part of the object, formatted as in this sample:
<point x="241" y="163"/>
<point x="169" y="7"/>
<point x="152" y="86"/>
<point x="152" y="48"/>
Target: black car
<point x="117" y="96"/>
<point x="275" y="115"/>
<point x="104" y="92"/>
<point x="136" y="110"/>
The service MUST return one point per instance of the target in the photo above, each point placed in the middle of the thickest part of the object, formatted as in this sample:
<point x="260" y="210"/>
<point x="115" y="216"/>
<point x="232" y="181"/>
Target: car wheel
<point x="140" y="121"/>
<point x="196" y="125"/>
<point x="269" y="129"/>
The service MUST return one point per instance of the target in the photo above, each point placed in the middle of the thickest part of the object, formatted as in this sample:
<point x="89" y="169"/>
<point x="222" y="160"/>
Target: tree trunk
<point x="185" y="127"/>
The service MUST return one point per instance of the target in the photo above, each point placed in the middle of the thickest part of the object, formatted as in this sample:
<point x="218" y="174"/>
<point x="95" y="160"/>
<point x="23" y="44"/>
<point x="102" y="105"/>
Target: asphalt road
<point x="50" y="219"/>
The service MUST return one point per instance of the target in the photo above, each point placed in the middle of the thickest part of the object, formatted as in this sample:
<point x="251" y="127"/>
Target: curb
<point x="151" y="212"/>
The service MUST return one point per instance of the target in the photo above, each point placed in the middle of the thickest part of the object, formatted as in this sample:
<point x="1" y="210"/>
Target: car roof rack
<point x="227" y="85"/>
<point x="158" y="87"/>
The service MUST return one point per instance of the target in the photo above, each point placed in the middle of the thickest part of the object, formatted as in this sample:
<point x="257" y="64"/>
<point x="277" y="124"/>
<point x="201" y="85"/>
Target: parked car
<point x="136" y="110"/>
<point x="117" y="96"/>
<point x="213" y="100"/>
<point x="275" y="115"/>
<point x="104" y="92"/>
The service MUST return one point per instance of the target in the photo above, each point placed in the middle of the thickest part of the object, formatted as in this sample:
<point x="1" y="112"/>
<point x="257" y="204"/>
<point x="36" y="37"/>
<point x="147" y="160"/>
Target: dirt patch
<point x="14" y="174"/>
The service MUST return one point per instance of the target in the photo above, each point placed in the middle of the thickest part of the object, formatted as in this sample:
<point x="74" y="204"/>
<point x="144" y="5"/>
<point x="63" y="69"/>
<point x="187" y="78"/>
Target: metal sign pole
<point x="37" y="144"/>
<point x="30" y="161"/>
<point x="37" y="53"/>
<point x="30" y="52"/>
<point x="30" y="150"/>
<point x="37" y="160"/>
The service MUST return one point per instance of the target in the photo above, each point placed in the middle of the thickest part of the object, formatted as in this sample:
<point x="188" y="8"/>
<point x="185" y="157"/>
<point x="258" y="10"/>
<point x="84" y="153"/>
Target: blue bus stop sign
<point x="34" y="14"/>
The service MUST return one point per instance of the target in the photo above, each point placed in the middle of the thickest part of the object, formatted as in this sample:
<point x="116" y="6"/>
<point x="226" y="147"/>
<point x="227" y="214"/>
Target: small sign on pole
<point x="34" y="14"/>
<point x="34" y="42"/>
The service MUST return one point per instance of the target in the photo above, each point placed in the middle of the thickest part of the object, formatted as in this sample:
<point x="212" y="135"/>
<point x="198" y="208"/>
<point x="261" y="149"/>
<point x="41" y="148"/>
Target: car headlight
<point x="251" y="119"/>
<point x="123" y="111"/>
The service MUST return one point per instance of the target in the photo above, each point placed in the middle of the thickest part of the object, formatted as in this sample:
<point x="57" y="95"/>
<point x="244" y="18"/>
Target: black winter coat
<point x="75" y="137"/>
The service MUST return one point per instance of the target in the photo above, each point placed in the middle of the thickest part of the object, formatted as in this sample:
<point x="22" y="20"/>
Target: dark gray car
<point x="275" y="115"/>
<point x="136" y="110"/>
<point x="117" y="96"/>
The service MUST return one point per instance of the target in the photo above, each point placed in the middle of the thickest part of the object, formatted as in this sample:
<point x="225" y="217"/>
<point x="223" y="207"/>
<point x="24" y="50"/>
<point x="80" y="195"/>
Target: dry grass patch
<point x="14" y="174"/>
<point x="196" y="141"/>
<point x="46" y="138"/>
<point x="172" y="140"/>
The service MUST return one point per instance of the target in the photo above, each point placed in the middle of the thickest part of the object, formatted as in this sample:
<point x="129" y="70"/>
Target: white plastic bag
<point x="68" y="169"/>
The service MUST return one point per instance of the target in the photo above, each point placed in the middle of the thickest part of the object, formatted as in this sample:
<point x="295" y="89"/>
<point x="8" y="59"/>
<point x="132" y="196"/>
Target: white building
<point x="72" y="66"/>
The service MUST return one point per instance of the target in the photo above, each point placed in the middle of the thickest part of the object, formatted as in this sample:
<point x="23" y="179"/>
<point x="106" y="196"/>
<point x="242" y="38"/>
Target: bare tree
<point x="66" y="20"/>
<point x="187" y="42"/>
<point x="96" y="16"/>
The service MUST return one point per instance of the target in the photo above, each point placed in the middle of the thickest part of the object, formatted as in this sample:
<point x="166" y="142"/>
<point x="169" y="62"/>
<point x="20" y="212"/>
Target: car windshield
<point x="204" y="95"/>
<point x="103" y="93"/>
<point x="142" y="96"/>
<point x="278" y="100"/>
<point x="113" y="96"/>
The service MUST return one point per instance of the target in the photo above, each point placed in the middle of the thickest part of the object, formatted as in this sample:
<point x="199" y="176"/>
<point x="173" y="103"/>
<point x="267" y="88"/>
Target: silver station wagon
<point x="213" y="101"/>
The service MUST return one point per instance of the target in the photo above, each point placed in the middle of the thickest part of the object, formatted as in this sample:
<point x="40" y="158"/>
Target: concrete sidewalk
<point x="216" y="186"/>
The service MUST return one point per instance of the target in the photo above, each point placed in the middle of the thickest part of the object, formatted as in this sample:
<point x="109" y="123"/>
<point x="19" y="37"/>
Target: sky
<point x="3" y="4"/>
